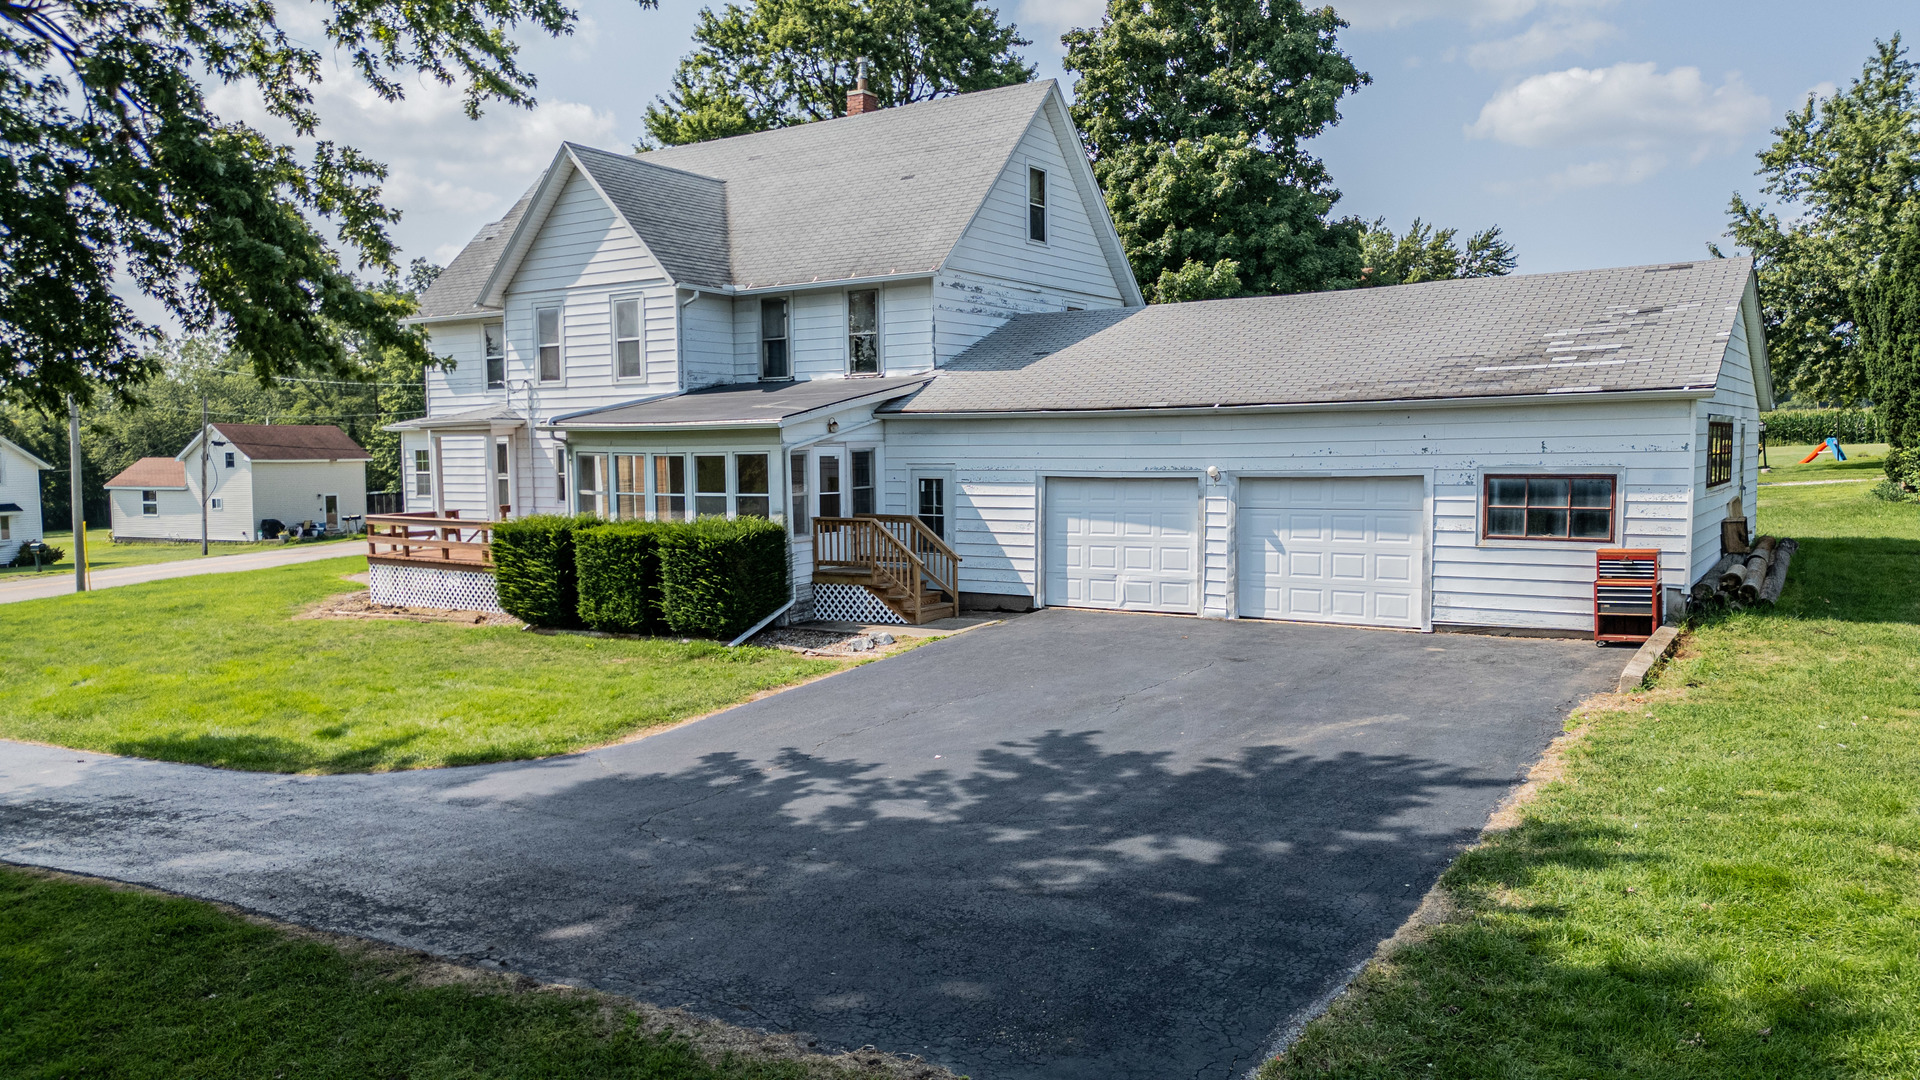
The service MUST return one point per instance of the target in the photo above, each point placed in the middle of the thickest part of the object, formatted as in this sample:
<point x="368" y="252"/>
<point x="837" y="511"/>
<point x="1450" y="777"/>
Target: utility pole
<point x="203" y="472"/>
<point x="79" y="511"/>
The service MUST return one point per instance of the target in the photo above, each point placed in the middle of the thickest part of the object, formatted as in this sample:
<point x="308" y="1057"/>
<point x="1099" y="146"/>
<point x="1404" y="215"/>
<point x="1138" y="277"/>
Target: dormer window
<point x="863" y="332"/>
<point x="626" y="339"/>
<point x="774" y="361"/>
<point x="546" y="325"/>
<point x="493" y="341"/>
<point x="1037" y="205"/>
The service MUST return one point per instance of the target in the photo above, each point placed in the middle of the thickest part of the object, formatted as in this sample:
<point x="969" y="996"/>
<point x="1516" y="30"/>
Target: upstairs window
<point x="493" y="341"/>
<point x="1549" y="508"/>
<point x="774" y="361"/>
<point x="546" y="328"/>
<point x="422" y="473"/>
<point x="150" y="503"/>
<point x="863" y="332"/>
<point x="1037" y="205"/>
<point x="1719" y="452"/>
<point x="229" y="459"/>
<point x="626" y="339"/>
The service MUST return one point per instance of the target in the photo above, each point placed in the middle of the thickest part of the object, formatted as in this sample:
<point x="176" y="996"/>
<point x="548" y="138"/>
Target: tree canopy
<point x="1847" y="171"/>
<point x="1425" y="253"/>
<point x="1195" y="114"/>
<point x="112" y="162"/>
<point x="1889" y="321"/>
<point x="776" y="63"/>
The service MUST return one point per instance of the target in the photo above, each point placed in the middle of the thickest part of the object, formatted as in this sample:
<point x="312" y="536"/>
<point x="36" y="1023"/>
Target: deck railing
<point x="897" y="549"/>
<point x="430" y="539"/>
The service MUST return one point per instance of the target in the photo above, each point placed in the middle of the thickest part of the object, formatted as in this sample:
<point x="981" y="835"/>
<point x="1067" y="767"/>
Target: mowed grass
<point x="104" y="554"/>
<point x="215" y="670"/>
<point x="1865" y="461"/>
<point x="98" y="982"/>
<point x="1726" y="883"/>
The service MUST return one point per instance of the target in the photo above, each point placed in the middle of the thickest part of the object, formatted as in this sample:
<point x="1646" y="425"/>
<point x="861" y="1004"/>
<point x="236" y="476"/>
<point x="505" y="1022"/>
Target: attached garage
<point x="1342" y="550"/>
<point x="1124" y="544"/>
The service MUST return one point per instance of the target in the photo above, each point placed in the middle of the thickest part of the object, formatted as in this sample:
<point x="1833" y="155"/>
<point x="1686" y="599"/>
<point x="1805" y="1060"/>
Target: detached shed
<point x="19" y="498"/>
<point x="289" y="473"/>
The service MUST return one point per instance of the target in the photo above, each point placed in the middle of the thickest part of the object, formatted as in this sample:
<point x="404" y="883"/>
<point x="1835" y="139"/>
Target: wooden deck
<point x="912" y="570"/>
<point x="426" y="539"/>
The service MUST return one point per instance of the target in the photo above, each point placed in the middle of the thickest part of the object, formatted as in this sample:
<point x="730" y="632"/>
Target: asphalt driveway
<point x="1072" y="845"/>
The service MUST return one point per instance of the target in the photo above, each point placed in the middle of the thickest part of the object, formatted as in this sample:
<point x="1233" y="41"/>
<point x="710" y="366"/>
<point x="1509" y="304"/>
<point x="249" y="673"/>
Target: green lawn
<point x="99" y="982"/>
<point x="1727" y="881"/>
<point x="1865" y="461"/>
<point x="213" y="670"/>
<point x="104" y="554"/>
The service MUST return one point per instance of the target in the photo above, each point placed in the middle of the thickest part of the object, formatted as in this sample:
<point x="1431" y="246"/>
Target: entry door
<point x="332" y="505"/>
<point x="1128" y="545"/>
<point x="1342" y="550"/>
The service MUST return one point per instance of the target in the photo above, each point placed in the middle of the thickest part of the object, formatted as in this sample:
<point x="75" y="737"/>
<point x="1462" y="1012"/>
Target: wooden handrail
<point x="875" y="543"/>
<point x="920" y="529"/>
<point x="428" y="537"/>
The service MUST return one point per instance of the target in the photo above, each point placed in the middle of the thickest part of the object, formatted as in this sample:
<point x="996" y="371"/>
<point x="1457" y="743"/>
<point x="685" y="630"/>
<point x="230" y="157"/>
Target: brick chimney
<point x="860" y="99"/>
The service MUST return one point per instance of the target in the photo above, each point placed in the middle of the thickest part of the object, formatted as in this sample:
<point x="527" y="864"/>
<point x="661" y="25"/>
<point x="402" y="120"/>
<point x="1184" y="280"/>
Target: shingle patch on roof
<point x="1631" y="328"/>
<point x="292" y="442"/>
<point x="151" y="472"/>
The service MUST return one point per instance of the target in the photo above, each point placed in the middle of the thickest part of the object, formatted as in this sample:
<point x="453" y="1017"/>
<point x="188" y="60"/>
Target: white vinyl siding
<point x="20" y="485"/>
<point x="1733" y="398"/>
<point x="706" y="340"/>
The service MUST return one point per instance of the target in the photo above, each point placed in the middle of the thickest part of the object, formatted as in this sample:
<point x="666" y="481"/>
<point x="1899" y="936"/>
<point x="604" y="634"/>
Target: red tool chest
<point x="1626" y="593"/>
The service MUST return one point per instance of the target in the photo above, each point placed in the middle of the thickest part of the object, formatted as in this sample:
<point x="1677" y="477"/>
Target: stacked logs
<point x="1746" y="579"/>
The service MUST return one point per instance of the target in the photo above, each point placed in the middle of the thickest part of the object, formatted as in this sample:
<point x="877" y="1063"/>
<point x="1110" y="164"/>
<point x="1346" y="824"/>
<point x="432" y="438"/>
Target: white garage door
<point x="1131" y="545"/>
<point x="1333" y="550"/>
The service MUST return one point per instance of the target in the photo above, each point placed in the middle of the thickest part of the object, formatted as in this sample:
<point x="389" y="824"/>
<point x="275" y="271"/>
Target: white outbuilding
<point x="19" y="498"/>
<point x="289" y="473"/>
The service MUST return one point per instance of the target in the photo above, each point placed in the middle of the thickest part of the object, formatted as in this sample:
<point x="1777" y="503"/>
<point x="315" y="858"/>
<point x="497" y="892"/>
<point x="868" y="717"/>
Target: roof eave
<point x="25" y="453"/>
<point x="1670" y="393"/>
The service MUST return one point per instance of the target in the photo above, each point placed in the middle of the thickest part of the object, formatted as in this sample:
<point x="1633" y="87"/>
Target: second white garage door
<point x="1346" y="550"/>
<point x="1130" y="545"/>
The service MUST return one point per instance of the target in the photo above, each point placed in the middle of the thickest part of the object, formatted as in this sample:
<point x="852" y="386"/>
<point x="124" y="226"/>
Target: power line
<point x="335" y="382"/>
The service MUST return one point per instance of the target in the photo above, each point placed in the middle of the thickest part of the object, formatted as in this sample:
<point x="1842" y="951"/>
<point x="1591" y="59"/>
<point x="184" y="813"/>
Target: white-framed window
<point x="832" y="485"/>
<point x="503" y="476"/>
<point x="797" y="514"/>
<point x="710" y="485"/>
<point x="670" y="487"/>
<point x="229" y="457"/>
<point x="627" y="360"/>
<point x="423" y="473"/>
<point x="1037" y="205"/>
<point x="546" y="331"/>
<point x="216" y="503"/>
<point x="150" y="504"/>
<point x="591" y="473"/>
<point x="630" y="486"/>
<point x="753" y="498"/>
<point x="930" y="503"/>
<point x="863" y="332"/>
<point x="493" y="343"/>
<point x="776" y="362"/>
<point x="863" y="480"/>
<point x="6" y="527"/>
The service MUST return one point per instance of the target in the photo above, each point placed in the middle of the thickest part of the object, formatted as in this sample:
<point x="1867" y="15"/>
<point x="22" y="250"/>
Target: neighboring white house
<point x="290" y="473"/>
<point x="19" y="498"/>
<point x="925" y="311"/>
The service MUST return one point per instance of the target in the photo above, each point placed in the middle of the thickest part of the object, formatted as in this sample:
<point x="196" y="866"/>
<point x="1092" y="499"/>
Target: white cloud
<point x="1377" y="14"/>
<point x="1631" y="106"/>
<point x="1045" y="20"/>
<point x="1540" y="42"/>
<point x="1587" y="174"/>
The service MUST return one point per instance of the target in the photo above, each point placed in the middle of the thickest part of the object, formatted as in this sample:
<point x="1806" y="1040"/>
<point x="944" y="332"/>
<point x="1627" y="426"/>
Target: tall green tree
<point x="1196" y="114"/>
<point x="1889" y="321"/>
<point x="111" y="161"/>
<point x="1426" y="253"/>
<point x="776" y="63"/>
<point x="1846" y="170"/>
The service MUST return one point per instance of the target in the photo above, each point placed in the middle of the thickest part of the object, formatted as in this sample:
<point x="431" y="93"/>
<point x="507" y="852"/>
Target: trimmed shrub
<point x="48" y="556"/>
<point x="1788" y="427"/>
<point x="533" y="568"/>
<point x="618" y="568"/>
<point x="719" y="577"/>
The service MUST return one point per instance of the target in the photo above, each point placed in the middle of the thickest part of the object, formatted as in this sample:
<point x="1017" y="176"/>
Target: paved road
<point x="1075" y="845"/>
<point x="61" y="584"/>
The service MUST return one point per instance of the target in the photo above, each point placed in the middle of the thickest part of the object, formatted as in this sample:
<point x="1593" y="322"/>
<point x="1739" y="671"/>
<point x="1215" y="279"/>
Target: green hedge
<point x="618" y="568"/>
<point x="533" y="568"/>
<point x="1787" y="427"/>
<point x="51" y="555"/>
<point x="719" y="577"/>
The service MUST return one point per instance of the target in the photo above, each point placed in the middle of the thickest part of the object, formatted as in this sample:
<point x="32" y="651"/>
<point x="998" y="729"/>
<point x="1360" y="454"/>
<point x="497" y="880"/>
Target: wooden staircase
<point x="895" y="557"/>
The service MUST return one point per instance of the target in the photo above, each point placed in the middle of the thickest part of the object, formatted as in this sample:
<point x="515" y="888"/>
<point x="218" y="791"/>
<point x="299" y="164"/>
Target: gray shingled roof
<point x="1633" y="328"/>
<point x="457" y="289"/>
<point x="681" y="216"/>
<point x="886" y="192"/>
<point x="738" y="403"/>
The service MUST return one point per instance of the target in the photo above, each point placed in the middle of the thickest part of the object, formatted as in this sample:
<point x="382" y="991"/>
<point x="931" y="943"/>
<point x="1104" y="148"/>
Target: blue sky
<point x="1595" y="133"/>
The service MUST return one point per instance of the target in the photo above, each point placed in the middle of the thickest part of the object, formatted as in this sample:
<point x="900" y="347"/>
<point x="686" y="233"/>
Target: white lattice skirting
<point x="434" y="587"/>
<point x="834" y="602"/>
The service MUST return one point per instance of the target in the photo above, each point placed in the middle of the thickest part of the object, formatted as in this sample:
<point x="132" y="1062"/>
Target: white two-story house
<point x="925" y="313"/>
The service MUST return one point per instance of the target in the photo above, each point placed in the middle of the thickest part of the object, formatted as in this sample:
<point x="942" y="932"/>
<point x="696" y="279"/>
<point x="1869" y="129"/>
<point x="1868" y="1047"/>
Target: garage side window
<point x="1549" y="508"/>
<point x="1719" y="452"/>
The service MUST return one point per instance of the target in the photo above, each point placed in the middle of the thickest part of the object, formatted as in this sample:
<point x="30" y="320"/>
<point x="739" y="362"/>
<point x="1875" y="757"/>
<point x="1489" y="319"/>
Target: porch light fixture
<point x="833" y="426"/>
<point x="1213" y="473"/>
